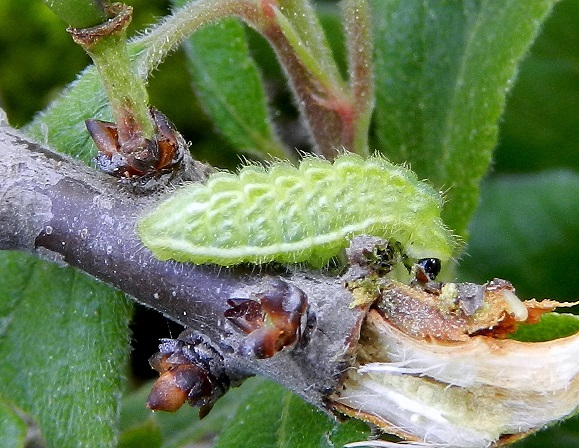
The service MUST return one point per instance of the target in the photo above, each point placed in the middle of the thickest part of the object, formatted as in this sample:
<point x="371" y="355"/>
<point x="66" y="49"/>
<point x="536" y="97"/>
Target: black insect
<point x="430" y="268"/>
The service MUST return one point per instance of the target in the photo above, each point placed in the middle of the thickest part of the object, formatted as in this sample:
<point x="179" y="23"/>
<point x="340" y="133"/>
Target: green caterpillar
<point x="290" y="215"/>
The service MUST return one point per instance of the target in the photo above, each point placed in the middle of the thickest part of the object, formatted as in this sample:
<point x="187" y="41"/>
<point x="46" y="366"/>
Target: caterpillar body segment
<point x="297" y="214"/>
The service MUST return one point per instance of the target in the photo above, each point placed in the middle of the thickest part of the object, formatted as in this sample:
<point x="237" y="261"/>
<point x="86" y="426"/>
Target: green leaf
<point x="257" y="407"/>
<point x="63" y="344"/>
<point x="564" y="435"/>
<point x="444" y="68"/>
<point x="539" y="129"/>
<point x="230" y="88"/>
<point x="273" y="417"/>
<point x="526" y="230"/>
<point x="12" y="427"/>
<point x="61" y="125"/>
<point x="552" y="326"/>
<point x="147" y="435"/>
<point x="184" y="428"/>
<point x="351" y="430"/>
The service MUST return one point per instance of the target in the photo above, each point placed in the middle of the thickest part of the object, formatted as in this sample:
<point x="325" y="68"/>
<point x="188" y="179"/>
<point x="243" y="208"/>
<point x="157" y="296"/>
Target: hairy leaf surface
<point x="443" y="70"/>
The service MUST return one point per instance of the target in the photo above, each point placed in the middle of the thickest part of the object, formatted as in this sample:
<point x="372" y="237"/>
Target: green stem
<point x="168" y="35"/>
<point x="293" y="30"/>
<point x="320" y="92"/>
<point x="302" y="18"/>
<point x="307" y="57"/>
<point x="126" y="91"/>
<point x="79" y="13"/>
<point x="359" y="50"/>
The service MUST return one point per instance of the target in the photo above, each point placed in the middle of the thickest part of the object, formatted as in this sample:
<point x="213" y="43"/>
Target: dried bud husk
<point x="434" y="367"/>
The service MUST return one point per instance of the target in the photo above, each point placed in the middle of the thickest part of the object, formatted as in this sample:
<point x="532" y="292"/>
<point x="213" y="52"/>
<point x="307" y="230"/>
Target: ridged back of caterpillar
<point x="303" y="214"/>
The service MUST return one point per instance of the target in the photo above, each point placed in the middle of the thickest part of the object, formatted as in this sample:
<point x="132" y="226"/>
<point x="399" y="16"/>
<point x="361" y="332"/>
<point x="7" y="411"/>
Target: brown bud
<point x="128" y="154"/>
<point x="172" y="388"/>
<point x="191" y="369"/>
<point x="276" y="320"/>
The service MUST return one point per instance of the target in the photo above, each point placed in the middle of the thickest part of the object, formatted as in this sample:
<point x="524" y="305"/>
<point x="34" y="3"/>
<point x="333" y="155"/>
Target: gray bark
<point x="62" y="209"/>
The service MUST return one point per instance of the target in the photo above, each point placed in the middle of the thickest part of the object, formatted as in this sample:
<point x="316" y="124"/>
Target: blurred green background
<point x="527" y="226"/>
